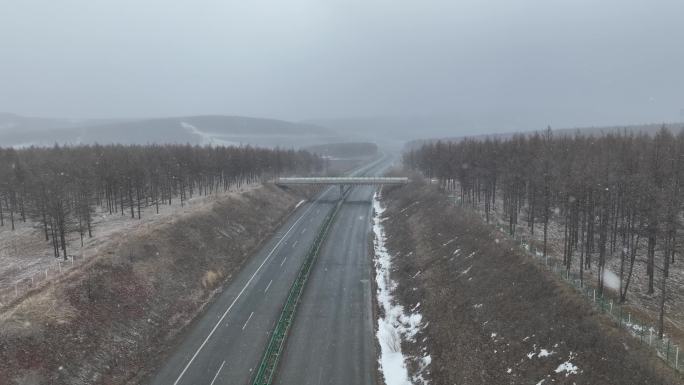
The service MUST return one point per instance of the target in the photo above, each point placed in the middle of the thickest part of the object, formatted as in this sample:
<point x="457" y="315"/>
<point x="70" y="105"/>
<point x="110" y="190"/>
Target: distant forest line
<point x="616" y="194"/>
<point x="58" y="188"/>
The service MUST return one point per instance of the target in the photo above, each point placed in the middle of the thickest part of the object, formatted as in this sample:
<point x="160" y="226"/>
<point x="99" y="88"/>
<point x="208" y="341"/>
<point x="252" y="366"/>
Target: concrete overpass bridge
<point x="343" y="181"/>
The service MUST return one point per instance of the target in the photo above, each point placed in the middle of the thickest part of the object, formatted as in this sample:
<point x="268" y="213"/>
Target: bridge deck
<point x="370" y="180"/>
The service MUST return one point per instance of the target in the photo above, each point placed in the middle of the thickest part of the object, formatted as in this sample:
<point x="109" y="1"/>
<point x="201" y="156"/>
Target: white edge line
<point x="217" y="373"/>
<point x="239" y="295"/>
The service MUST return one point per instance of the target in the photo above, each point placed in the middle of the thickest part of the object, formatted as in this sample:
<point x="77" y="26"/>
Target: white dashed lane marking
<point x="250" y="317"/>
<point x="217" y="373"/>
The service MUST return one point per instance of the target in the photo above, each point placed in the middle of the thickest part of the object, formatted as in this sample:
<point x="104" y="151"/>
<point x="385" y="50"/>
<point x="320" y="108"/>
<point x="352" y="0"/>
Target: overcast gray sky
<point x="521" y="63"/>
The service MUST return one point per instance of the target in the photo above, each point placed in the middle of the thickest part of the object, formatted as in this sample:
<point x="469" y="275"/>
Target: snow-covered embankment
<point x="394" y="323"/>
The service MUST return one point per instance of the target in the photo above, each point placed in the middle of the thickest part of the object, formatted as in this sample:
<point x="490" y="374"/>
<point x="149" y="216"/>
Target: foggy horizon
<point x="494" y="67"/>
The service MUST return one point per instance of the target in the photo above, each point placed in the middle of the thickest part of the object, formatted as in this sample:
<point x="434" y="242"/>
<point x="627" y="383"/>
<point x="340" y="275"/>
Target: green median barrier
<point x="269" y="362"/>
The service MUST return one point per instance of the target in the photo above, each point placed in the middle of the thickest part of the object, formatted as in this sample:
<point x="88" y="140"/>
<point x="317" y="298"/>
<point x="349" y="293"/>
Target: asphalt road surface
<point x="225" y="345"/>
<point x="332" y="338"/>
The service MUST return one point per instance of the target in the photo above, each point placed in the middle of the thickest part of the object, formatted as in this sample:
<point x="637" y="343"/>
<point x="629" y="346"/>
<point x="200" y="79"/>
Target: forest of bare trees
<point x="59" y="188"/>
<point x="614" y="195"/>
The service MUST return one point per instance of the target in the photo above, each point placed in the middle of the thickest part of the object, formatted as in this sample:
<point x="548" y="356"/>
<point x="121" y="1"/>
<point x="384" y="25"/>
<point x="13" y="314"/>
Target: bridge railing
<point x="364" y="180"/>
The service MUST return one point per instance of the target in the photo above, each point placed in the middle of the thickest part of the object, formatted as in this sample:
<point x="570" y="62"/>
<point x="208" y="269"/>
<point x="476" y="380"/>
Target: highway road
<point x="225" y="345"/>
<point x="332" y="339"/>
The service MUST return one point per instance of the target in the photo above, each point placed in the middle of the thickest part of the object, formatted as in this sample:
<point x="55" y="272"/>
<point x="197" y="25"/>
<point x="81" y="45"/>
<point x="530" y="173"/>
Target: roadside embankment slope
<point x="491" y="315"/>
<point x="111" y="320"/>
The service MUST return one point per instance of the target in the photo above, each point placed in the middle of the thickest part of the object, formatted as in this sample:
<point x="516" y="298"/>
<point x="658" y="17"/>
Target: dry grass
<point x="24" y="253"/>
<point x="648" y="305"/>
<point x="112" y="319"/>
<point x="488" y="306"/>
<point x="210" y="279"/>
<point x="30" y="316"/>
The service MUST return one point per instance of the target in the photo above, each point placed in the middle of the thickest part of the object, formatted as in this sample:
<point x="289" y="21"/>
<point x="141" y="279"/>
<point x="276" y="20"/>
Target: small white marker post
<point x="611" y="307"/>
<point x="650" y="336"/>
<point x="594" y="295"/>
<point x="31" y="280"/>
<point x="677" y="358"/>
<point x="629" y="318"/>
<point x="46" y="270"/>
<point x="72" y="260"/>
<point x="60" y="266"/>
<point x="16" y="289"/>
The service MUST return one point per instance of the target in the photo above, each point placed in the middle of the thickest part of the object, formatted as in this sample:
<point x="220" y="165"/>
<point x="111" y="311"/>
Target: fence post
<point x="677" y="358"/>
<point x="667" y="355"/>
<point x="620" y="317"/>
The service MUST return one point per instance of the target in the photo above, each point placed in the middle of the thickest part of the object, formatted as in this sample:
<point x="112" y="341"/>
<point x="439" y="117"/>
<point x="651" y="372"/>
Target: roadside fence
<point x="646" y="333"/>
<point x="9" y="293"/>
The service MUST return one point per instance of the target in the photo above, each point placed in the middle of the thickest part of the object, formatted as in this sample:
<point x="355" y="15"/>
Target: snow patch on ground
<point x="540" y="354"/>
<point x="397" y="324"/>
<point x="568" y="367"/>
<point x="611" y="280"/>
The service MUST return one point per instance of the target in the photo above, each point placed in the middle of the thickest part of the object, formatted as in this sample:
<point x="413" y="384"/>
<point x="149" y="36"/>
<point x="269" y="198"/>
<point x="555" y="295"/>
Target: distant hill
<point x="393" y="132"/>
<point x="203" y="130"/>
<point x="17" y="130"/>
<point x="14" y="122"/>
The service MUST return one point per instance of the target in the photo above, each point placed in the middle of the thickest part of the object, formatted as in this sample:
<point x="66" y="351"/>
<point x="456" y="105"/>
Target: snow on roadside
<point x="397" y="325"/>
